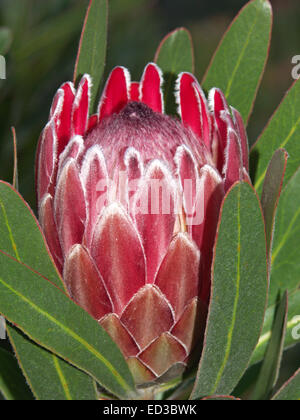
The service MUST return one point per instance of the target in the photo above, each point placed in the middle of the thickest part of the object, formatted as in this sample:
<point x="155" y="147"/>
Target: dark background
<point x="45" y="36"/>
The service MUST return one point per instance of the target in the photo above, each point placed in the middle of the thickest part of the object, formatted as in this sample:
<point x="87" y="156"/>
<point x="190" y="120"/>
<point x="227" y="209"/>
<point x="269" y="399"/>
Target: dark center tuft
<point x="137" y="111"/>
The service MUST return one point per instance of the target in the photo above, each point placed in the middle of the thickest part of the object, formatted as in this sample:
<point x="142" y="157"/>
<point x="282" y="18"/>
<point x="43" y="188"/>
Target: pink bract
<point x="144" y="274"/>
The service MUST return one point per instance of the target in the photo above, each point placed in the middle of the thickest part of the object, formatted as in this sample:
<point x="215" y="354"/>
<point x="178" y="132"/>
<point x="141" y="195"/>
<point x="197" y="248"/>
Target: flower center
<point x="152" y="134"/>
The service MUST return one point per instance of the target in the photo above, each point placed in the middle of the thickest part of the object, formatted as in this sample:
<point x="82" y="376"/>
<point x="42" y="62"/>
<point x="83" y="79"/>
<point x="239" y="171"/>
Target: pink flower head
<point x="129" y="201"/>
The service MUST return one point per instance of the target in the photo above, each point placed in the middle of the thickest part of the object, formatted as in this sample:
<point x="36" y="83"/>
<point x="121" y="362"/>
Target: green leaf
<point x="239" y="62"/>
<point x="239" y="293"/>
<point x="21" y="236"/>
<point x="5" y="40"/>
<point x="285" y="272"/>
<point x="175" y="54"/>
<point x="283" y="131"/>
<point x="50" y="377"/>
<point x="293" y="327"/>
<point x="92" y="47"/>
<point x="271" y="192"/>
<point x="48" y="317"/>
<point x="246" y="384"/>
<point x="12" y="383"/>
<point x="271" y="365"/>
<point x="291" y="390"/>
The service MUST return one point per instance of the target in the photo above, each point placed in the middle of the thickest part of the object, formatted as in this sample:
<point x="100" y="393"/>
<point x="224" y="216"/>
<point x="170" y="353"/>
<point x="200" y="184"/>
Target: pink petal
<point x="188" y="176"/>
<point x="135" y="169"/>
<point x="218" y="105"/>
<point x="80" y="111"/>
<point x="135" y="91"/>
<point x="134" y="164"/>
<point x="205" y="117"/>
<point x="64" y="116"/>
<point x="208" y="204"/>
<point x="140" y="372"/>
<point x="210" y="194"/>
<point x="178" y="276"/>
<point x="57" y="104"/>
<point x="233" y="167"/>
<point x="74" y="149"/>
<point x="94" y="178"/>
<point x="154" y="214"/>
<point x="217" y="153"/>
<point x="49" y="227"/>
<point x="116" y="93"/>
<point x="85" y="284"/>
<point x="69" y="206"/>
<point x="163" y="353"/>
<point x="119" y="256"/>
<point x="93" y="121"/>
<point x="147" y="316"/>
<point x="190" y="327"/>
<point x="241" y="130"/>
<point x="47" y="158"/>
<point x="120" y="335"/>
<point x="188" y="102"/>
<point x="151" y="88"/>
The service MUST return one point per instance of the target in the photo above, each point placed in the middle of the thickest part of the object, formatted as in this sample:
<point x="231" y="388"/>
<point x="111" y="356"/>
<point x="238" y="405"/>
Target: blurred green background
<point x="41" y="50"/>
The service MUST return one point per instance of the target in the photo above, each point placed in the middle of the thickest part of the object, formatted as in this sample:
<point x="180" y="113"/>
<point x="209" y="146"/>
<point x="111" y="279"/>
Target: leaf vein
<point x="62" y="378"/>
<point x="11" y="237"/>
<point x="68" y="331"/>
<point x="236" y="300"/>
<point x="230" y="82"/>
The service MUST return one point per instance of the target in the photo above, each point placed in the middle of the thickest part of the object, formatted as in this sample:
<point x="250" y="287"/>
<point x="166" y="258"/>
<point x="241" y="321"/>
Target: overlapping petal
<point x="129" y="202"/>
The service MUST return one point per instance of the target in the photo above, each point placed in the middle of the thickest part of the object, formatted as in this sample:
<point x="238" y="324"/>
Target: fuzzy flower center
<point x="153" y="135"/>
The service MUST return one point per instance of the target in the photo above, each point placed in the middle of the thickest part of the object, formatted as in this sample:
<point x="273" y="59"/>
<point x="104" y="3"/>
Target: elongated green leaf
<point x="12" y="383"/>
<point x="5" y="40"/>
<point x="283" y="131"/>
<point x="293" y="327"/>
<point x="291" y="390"/>
<point x="270" y="368"/>
<point x="21" y="237"/>
<point x="285" y="272"/>
<point x="50" y="377"/>
<point x="92" y="47"/>
<point x="239" y="62"/>
<point x="239" y="293"/>
<point x="175" y="54"/>
<point x="247" y="382"/>
<point x="271" y="192"/>
<point x="52" y="320"/>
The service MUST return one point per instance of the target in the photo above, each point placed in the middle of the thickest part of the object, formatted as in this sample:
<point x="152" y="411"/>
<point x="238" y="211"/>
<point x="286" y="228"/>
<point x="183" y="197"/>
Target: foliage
<point x="48" y="331"/>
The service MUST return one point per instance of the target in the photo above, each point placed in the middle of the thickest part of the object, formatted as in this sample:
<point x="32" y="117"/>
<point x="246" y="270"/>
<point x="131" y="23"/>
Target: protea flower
<point x="129" y="201"/>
